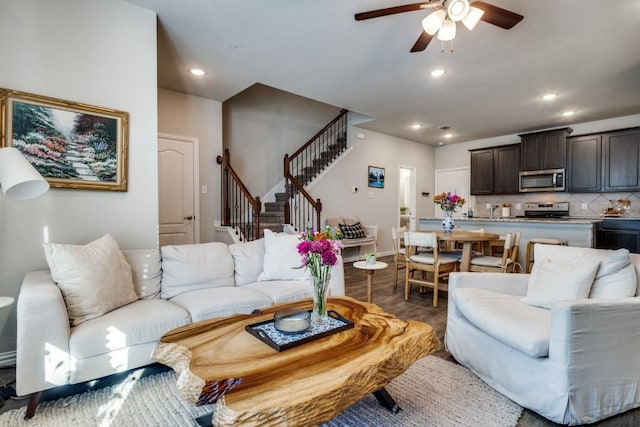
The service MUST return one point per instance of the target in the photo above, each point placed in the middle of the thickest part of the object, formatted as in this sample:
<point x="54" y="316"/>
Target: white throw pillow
<point x="146" y="270"/>
<point x="551" y="282"/>
<point x="94" y="278"/>
<point x="281" y="257"/>
<point x="616" y="277"/>
<point x="192" y="267"/>
<point x="248" y="258"/>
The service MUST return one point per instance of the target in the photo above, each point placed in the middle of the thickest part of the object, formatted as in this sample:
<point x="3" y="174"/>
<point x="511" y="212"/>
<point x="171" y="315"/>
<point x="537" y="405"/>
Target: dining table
<point x="467" y="238"/>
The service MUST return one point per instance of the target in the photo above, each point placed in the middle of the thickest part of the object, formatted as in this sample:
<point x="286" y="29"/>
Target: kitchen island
<point x="576" y="231"/>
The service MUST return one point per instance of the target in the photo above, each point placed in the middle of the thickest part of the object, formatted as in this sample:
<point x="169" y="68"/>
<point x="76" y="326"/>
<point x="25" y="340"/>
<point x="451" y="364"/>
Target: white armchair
<point x="574" y="363"/>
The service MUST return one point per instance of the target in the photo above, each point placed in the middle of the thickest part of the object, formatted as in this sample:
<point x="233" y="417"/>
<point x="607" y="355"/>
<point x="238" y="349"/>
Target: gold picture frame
<point x="73" y="145"/>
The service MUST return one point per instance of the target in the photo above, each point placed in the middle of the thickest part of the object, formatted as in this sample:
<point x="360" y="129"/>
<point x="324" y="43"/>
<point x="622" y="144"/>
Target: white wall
<point x="375" y="205"/>
<point x="261" y="125"/>
<point x="180" y="114"/>
<point x="99" y="52"/>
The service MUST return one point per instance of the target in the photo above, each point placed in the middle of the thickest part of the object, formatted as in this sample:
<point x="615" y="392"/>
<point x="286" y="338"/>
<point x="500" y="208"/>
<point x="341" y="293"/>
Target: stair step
<point x="272" y="217"/>
<point x="281" y="197"/>
<point x="274" y="206"/>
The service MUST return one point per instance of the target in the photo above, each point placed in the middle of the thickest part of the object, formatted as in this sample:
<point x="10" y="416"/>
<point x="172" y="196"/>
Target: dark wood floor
<point x="419" y="307"/>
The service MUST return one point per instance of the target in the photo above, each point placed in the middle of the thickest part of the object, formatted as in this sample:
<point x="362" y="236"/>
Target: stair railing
<point x="241" y="210"/>
<point x="300" y="209"/>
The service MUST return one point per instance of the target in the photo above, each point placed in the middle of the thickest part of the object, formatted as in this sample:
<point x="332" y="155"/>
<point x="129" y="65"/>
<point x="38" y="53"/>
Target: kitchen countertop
<point x="568" y="220"/>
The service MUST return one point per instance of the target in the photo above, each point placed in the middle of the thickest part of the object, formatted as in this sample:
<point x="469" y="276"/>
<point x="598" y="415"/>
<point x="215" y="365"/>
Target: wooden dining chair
<point x="397" y="233"/>
<point x="500" y="264"/>
<point x="426" y="262"/>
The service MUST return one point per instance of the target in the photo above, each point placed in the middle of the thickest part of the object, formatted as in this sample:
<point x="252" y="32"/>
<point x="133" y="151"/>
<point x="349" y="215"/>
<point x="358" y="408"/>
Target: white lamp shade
<point x="433" y="21"/>
<point x="447" y="31"/>
<point x="457" y="9"/>
<point x="18" y="179"/>
<point x="473" y="17"/>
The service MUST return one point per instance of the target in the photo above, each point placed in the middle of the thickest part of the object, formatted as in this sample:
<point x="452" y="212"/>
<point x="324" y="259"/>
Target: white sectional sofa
<point x="173" y="287"/>
<point x="563" y="341"/>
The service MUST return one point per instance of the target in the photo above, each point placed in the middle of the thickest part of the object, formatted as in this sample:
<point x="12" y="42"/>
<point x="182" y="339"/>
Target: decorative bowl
<point x="292" y="320"/>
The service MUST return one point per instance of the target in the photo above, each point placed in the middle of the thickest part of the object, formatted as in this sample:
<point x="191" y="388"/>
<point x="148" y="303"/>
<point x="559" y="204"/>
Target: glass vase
<point x="447" y="223"/>
<point x="320" y="290"/>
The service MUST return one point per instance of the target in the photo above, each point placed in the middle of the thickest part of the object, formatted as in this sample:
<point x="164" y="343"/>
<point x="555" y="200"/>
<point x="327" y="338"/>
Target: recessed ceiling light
<point x="437" y="72"/>
<point x="197" y="72"/>
<point x="549" y="96"/>
<point x="568" y="113"/>
<point x="416" y="126"/>
<point x="440" y="143"/>
<point x="448" y="135"/>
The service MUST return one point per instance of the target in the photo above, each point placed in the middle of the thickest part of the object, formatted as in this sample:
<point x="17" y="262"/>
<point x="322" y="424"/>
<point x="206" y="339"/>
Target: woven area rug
<point x="432" y="392"/>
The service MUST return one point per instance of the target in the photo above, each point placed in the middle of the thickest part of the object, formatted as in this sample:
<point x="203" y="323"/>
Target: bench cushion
<point x="507" y="319"/>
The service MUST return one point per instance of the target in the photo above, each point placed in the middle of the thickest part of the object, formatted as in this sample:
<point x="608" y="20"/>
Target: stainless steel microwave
<point x="542" y="180"/>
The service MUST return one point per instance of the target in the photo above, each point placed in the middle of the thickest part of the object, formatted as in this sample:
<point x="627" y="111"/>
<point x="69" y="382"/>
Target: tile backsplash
<point x="596" y="202"/>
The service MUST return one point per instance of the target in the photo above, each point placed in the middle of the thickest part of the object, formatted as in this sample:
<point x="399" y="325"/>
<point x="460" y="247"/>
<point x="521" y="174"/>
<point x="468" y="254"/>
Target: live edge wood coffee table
<point x="254" y="384"/>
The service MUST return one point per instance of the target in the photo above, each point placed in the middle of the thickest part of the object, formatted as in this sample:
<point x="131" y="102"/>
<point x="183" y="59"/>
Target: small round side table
<point x="370" y="268"/>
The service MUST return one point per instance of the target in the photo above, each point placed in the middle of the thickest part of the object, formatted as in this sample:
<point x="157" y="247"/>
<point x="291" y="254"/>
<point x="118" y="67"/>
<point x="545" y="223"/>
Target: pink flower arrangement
<point x="319" y="250"/>
<point x="448" y="201"/>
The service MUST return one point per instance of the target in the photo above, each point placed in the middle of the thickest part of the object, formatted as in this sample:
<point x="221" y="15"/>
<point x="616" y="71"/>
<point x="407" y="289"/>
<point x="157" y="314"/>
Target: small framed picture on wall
<point x="376" y="177"/>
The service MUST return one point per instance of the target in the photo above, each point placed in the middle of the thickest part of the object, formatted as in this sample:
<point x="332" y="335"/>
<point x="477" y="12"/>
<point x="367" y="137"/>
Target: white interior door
<point x="177" y="195"/>
<point x="407" y="196"/>
<point x="455" y="180"/>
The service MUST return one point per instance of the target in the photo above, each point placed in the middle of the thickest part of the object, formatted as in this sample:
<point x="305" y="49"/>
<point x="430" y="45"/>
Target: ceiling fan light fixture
<point x="447" y="31"/>
<point x="431" y="24"/>
<point x="457" y="9"/>
<point x="473" y="17"/>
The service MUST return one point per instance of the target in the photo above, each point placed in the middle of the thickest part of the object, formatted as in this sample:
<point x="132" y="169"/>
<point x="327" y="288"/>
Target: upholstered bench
<point x="355" y="234"/>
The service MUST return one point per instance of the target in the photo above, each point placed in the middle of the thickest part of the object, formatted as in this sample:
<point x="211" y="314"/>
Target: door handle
<point x="189" y="218"/>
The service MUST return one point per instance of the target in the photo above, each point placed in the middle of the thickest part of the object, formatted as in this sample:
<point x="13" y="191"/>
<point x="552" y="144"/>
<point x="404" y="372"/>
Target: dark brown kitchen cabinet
<point x="481" y="171"/>
<point x="621" y="160"/>
<point x="544" y="150"/>
<point x="495" y="170"/>
<point x="584" y="164"/>
<point x="618" y="233"/>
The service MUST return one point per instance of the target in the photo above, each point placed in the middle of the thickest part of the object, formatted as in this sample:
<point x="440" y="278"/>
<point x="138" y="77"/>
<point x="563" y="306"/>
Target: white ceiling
<point x="586" y="51"/>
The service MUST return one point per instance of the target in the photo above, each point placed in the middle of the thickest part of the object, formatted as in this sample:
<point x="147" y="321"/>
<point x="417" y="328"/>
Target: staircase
<point x="294" y="206"/>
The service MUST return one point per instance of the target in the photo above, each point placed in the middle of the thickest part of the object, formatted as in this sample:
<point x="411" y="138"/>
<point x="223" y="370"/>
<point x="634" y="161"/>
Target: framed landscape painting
<point x="376" y="177"/>
<point x="72" y="145"/>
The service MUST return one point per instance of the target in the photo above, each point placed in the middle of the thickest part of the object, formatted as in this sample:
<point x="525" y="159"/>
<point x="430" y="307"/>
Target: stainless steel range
<point x="546" y="210"/>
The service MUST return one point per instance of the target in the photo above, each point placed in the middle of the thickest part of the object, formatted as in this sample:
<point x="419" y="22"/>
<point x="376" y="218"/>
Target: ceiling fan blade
<point x="422" y="42"/>
<point x="393" y="10"/>
<point x="497" y="16"/>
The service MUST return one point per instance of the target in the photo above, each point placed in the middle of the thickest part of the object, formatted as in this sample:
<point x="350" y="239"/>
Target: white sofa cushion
<point x="192" y="267"/>
<point x="146" y="269"/>
<point x="248" y="258"/>
<point x="616" y="277"/>
<point x="283" y="290"/>
<point x="143" y="321"/>
<point x="208" y="303"/>
<point x="550" y="282"/>
<point x="281" y="257"/>
<point x="94" y="278"/>
<point x="507" y="319"/>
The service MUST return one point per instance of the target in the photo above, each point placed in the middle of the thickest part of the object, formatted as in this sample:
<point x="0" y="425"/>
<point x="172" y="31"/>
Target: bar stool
<point x="545" y="241"/>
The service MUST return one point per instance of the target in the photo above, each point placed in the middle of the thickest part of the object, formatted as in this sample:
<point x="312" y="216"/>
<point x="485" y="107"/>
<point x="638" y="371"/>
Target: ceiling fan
<point x="445" y="15"/>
